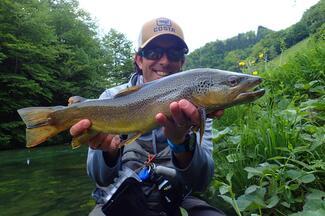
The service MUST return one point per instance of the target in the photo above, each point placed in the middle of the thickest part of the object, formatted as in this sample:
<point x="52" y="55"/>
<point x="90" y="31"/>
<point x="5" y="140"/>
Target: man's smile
<point x="162" y="73"/>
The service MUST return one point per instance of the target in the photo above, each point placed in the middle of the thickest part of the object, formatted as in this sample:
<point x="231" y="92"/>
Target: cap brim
<point x="181" y="41"/>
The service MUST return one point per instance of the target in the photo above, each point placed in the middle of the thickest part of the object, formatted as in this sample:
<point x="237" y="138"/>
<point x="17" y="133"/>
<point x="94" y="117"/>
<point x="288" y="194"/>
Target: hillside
<point x="250" y="48"/>
<point x="291" y="52"/>
<point x="279" y="60"/>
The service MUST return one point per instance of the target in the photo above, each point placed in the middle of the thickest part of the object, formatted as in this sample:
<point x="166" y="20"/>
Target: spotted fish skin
<point x="134" y="110"/>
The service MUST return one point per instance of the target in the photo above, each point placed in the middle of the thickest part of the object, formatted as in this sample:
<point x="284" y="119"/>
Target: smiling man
<point x="162" y="49"/>
<point x="161" y="52"/>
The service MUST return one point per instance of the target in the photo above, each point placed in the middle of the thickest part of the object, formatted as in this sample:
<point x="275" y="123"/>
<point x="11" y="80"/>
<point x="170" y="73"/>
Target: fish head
<point x="218" y="89"/>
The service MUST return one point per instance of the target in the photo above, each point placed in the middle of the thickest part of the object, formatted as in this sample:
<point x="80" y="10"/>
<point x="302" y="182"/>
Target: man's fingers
<point x="115" y="143"/>
<point x="98" y="140"/>
<point x="80" y="127"/>
<point x="216" y="114"/>
<point x="162" y="120"/>
<point x="219" y="113"/>
<point x="184" y="114"/>
<point x="177" y="115"/>
<point x="105" y="142"/>
<point x="190" y="111"/>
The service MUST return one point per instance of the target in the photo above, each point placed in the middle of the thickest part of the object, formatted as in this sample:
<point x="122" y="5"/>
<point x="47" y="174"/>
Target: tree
<point x="48" y="52"/>
<point x="118" y="57"/>
<point x="25" y="38"/>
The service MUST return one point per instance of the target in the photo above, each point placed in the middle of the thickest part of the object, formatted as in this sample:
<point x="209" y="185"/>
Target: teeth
<point x="162" y="73"/>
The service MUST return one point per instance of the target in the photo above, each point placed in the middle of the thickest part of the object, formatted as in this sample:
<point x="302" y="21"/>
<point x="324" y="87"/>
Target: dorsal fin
<point x="127" y="91"/>
<point x="75" y="99"/>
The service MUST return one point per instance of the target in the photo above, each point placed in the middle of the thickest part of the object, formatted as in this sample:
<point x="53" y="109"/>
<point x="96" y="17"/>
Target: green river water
<point x="45" y="181"/>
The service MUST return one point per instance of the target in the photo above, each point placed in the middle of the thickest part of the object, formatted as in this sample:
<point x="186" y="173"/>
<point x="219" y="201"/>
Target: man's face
<point x="155" y="69"/>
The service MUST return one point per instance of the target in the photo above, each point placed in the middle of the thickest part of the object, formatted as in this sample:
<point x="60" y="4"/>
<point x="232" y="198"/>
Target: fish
<point x="132" y="111"/>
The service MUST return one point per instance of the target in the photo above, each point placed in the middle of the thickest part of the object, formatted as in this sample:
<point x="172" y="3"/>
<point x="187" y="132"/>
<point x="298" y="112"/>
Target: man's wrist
<point x="187" y="146"/>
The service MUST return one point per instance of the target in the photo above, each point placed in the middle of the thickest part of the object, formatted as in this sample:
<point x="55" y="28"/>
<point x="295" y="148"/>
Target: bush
<point x="269" y="155"/>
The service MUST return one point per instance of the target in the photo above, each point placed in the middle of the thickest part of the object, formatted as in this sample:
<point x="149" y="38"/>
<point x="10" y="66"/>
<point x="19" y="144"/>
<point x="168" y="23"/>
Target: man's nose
<point x="164" y="59"/>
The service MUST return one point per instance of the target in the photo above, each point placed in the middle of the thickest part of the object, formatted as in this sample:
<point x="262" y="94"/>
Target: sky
<point x="202" y="21"/>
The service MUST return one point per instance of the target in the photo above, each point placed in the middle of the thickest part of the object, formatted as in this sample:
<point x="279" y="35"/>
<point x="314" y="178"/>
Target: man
<point x="161" y="52"/>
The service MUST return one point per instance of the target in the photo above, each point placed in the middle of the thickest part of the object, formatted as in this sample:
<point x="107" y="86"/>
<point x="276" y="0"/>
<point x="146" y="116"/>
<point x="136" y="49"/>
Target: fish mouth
<point x="250" y="95"/>
<point x="245" y="95"/>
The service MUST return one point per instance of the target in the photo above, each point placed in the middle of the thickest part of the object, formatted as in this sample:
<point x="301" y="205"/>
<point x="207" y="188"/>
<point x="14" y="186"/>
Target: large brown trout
<point x="133" y="110"/>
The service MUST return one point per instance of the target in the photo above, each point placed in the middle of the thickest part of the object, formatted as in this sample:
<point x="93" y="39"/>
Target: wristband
<point x="187" y="146"/>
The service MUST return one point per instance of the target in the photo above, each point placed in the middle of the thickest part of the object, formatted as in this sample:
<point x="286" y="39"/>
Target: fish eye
<point x="233" y="80"/>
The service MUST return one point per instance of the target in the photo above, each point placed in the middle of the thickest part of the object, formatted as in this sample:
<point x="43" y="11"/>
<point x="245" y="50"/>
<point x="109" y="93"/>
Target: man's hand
<point x="216" y="114"/>
<point x="184" y="116"/>
<point x="102" y="141"/>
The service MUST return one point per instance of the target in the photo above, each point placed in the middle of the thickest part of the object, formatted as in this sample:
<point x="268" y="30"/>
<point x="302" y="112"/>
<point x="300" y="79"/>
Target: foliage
<point x="269" y="155"/>
<point x="49" y="51"/>
<point x="315" y="16"/>
<point x="213" y="53"/>
<point x="118" y="60"/>
<point x="249" y="46"/>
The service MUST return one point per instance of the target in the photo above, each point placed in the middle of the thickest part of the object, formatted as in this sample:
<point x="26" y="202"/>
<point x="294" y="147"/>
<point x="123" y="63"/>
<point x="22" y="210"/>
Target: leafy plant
<point x="269" y="155"/>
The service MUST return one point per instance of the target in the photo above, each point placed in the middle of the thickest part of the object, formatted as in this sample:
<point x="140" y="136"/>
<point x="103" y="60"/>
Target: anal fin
<point x="203" y="115"/>
<point x="130" y="139"/>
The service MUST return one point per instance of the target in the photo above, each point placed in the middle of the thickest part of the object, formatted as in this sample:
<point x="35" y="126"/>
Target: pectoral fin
<point x="83" y="138"/>
<point x="130" y="139"/>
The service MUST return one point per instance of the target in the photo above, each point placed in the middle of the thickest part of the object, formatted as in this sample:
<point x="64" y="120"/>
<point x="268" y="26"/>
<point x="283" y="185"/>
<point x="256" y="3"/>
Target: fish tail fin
<point x="36" y="136"/>
<point x="38" y="125"/>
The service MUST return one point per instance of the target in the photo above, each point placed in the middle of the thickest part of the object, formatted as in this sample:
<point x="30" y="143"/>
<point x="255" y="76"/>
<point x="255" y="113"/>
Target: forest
<point x="49" y="51"/>
<point x="268" y="154"/>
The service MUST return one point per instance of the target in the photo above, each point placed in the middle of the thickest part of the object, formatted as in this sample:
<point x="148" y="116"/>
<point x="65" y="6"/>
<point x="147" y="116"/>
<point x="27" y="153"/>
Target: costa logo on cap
<point x="164" y="24"/>
<point x="160" y="26"/>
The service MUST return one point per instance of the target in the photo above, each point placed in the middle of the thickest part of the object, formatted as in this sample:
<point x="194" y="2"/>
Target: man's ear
<point x="138" y="60"/>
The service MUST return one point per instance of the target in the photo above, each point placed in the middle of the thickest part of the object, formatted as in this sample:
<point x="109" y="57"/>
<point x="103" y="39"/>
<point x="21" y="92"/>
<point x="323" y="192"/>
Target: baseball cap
<point x="158" y="27"/>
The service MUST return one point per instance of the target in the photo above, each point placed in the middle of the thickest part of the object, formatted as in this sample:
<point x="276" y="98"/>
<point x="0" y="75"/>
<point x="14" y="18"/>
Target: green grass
<point x="54" y="183"/>
<point x="269" y="155"/>
<point x="283" y="58"/>
<point x="290" y="53"/>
